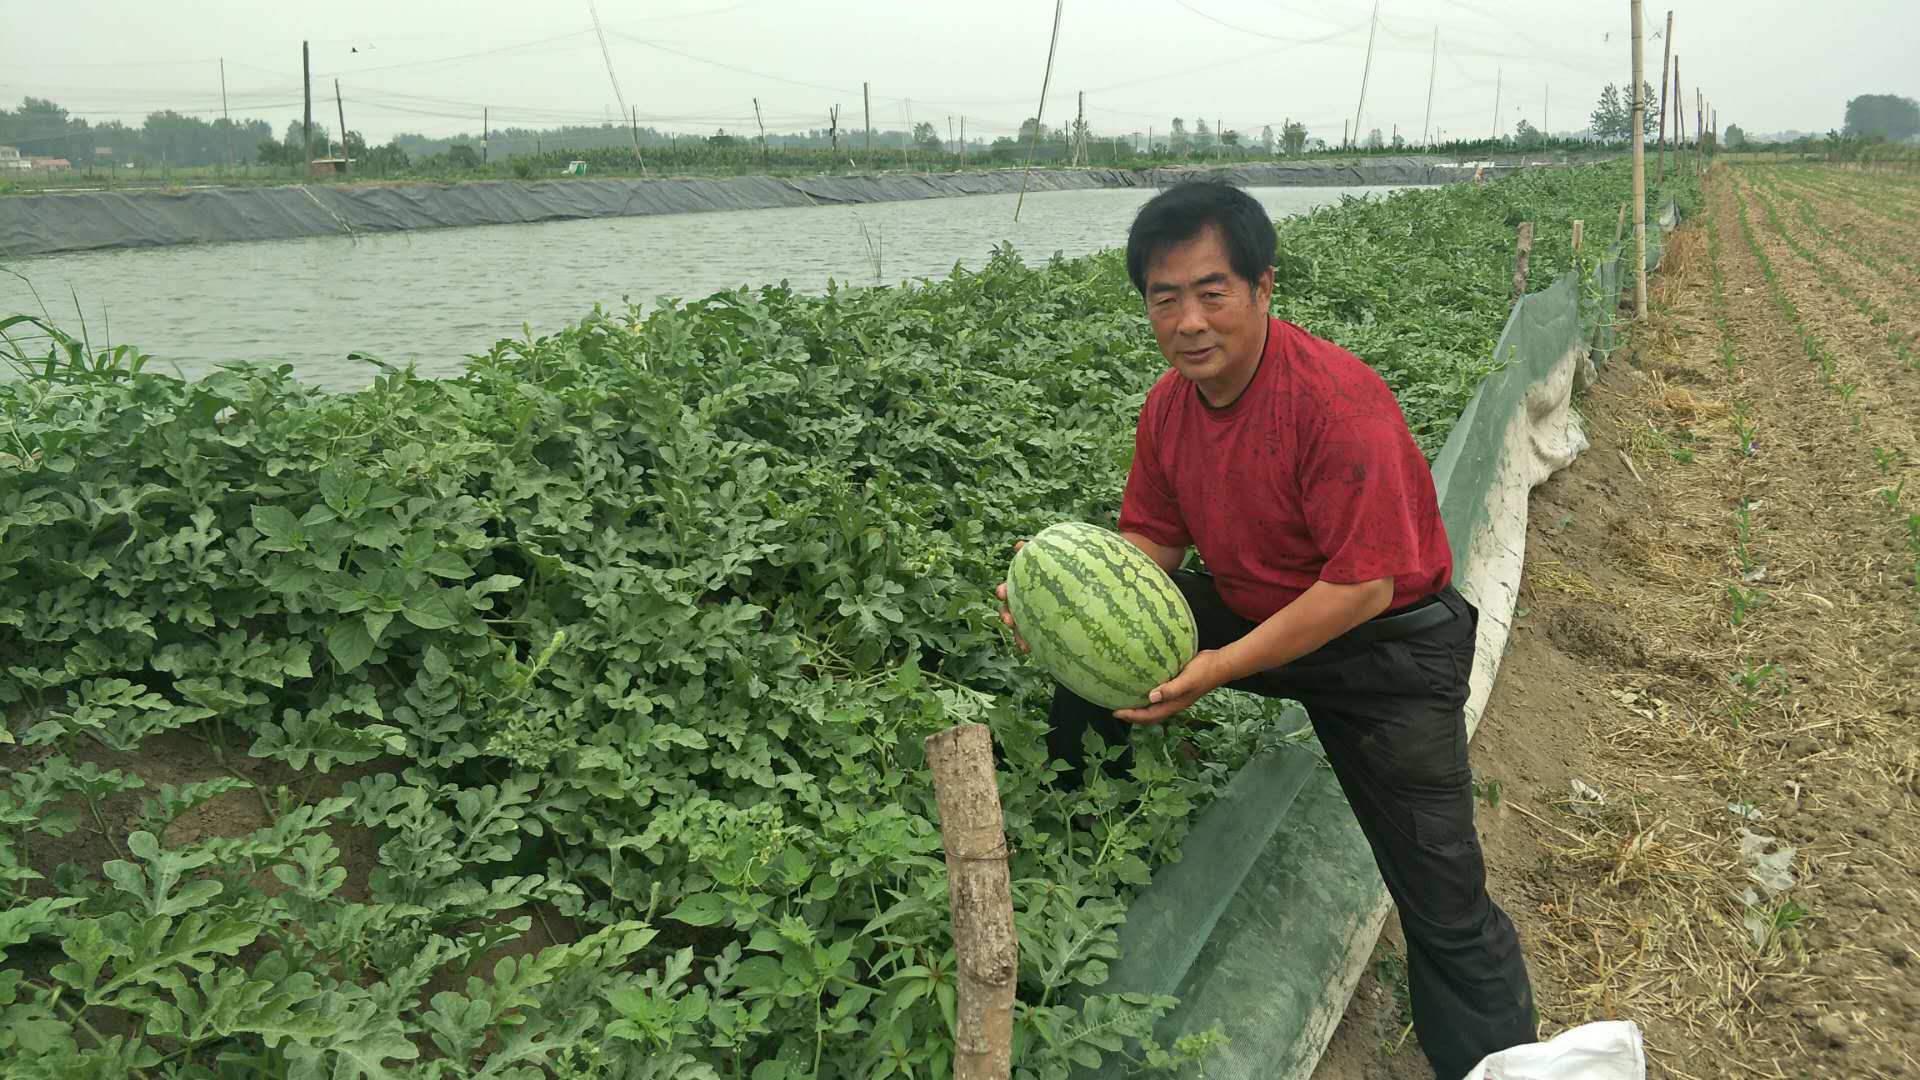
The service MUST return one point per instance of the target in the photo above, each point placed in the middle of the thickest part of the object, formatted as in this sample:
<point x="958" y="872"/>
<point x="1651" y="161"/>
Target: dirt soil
<point x="1720" y="635"/>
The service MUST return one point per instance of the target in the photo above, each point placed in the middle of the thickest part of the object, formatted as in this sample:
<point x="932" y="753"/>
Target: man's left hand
<point x="1206" y="672"/>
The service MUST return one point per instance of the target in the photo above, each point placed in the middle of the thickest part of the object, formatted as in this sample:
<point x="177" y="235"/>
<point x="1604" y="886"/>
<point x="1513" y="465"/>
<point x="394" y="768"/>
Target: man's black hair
<point x="1184" y="210"/>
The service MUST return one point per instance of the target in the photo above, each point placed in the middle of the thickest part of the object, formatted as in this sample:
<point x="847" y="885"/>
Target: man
<point x="1285" y="461"/>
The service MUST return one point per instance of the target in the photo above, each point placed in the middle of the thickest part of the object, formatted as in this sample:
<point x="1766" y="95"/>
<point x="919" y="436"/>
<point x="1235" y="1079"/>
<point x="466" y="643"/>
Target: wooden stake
<point x="1620" y="225"/>
<point x="1639" y="168"/>
<point x="1523" y="252"/>
<point x="346" y="162"/>
<point x="987" y="952"/>
<point x="1664" y="63"/>
<point x="1579" y="235"/>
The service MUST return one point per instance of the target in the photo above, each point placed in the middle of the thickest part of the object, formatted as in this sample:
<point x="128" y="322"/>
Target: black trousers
<point x="1390" y="713"/>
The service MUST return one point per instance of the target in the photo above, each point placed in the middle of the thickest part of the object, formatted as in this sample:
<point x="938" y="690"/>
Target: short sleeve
<point x="1367" y="493"/>
<point x="1148" y="507"/>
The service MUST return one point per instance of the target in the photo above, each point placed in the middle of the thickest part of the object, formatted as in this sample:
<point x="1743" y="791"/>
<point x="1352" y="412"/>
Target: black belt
<point x="1424" y="614"/>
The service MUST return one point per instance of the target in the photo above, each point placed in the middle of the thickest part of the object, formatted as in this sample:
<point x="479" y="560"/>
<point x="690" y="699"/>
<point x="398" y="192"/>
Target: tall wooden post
<point x="866" y="110"/>
<point x="1665" y="61"/>
<point x="486" y="127"/>
<point x="1639" y="169"/>
<point x="346" y="159"/>
<point x="987" y="951"/>
<point x="306" y="115"/>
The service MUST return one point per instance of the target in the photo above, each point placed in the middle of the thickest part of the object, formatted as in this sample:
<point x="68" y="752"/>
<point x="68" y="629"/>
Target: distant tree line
<point x="41" y="128"/>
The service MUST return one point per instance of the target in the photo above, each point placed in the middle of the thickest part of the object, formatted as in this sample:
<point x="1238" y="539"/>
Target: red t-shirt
<point x="1310" y="475"/>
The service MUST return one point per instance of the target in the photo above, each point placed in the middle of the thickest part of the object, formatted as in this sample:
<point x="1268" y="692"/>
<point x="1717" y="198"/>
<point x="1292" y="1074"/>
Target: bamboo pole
<point x="228" y="120"/>
<point x="1365" y="71"/>
<point x="1639" y="168"/>
<point x="1433" y="69"/>
<point x="987" y="951"/>
<point x="1039" y="114"/>
<point x="1665" y="63"/>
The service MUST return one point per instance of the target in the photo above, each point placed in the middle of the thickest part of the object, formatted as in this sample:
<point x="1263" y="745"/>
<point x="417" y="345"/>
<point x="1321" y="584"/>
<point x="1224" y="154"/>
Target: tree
<point x="1734" y="136"/>
<point x="1526" y="136"/>
<point x="1082" y="131"/>
<point x="1266" y="140"/>
<point x="721" y="138"/>
<point x="1293" y="136"/>
<point x="1374" y="140"/>
<point x="926" y="139"/>
<point x="1399" y="141"/>
<point x="1177" y="138"/>
<point x="1230" y="138"/>
<point x="1877" y="116"/>
<point x="1202" y="136"/>
<point x="1611" y="120"/>
<point x="1030" y="128"/>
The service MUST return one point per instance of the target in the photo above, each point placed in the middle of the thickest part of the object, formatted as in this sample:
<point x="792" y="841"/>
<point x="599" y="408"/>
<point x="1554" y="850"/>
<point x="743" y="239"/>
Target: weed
<point x="1744" y="601"/>
<point x="1487" y="790"/>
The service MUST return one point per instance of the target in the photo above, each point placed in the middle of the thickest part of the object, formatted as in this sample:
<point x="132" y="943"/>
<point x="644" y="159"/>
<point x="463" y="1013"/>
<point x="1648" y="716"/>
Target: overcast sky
<point x="694" y="65"/>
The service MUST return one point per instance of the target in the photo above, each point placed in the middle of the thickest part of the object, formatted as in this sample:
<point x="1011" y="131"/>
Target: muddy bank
<point x="92" y="220"/>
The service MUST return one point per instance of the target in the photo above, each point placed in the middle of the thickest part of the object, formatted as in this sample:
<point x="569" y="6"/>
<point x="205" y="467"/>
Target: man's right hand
<point x="1006" y="613"/>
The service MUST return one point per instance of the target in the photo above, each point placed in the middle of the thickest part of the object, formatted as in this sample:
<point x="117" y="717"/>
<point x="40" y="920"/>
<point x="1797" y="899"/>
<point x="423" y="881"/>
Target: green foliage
<point x="1882" y="116"/>
<point x="634" y="630"/>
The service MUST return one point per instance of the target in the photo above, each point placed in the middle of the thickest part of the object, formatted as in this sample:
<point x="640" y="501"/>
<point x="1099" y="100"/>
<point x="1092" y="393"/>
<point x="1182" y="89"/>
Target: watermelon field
<point x="563" y="718"/>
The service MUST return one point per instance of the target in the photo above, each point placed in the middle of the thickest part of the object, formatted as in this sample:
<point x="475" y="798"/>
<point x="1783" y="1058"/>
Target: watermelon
<point x="1099" y="615"/>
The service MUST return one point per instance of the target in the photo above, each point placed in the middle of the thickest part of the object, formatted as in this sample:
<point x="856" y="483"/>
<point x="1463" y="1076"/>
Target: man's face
<point x="1210" y="324"/>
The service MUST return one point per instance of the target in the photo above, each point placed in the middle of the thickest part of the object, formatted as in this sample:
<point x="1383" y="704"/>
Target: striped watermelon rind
<point x="1099" y="615"/>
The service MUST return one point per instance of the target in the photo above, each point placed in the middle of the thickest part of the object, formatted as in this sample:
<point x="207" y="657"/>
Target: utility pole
<point x="1366" y="70"/>
<point x="1546" y="112"/>
<point x="763" y="133"/>
<point x="1433" y="69"/>
<point x="346" y="160"/>
<point x="1666" y="61"/>
<point x="1497" y="76"/>
<point x="866" y="105"/>
<point x="228" y="120"/>
<point x="486" y="125"/>
<point x="1345" y="135"/>
<point x="306" y="115"/>
<point x="1639" y="169"/>
<point x="1079" y="132"/>
<point x="963" y="138"/>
